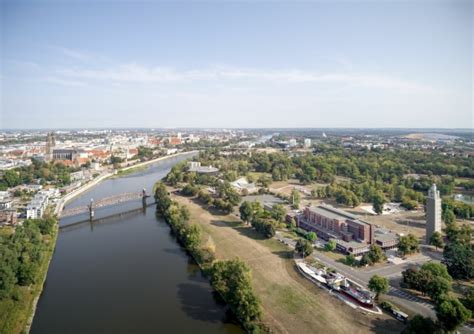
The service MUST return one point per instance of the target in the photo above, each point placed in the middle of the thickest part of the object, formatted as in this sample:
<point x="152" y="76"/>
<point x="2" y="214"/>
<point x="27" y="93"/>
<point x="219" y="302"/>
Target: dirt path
<point x="291" y="303"/>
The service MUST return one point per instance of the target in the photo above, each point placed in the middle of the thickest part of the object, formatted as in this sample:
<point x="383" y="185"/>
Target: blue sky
<point x="236" y="64"/>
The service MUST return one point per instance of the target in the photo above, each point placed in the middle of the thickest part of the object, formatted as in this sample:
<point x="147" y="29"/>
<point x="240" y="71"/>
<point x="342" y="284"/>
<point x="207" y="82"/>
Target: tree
<point x="189" y="190"/>
<point x="311" y="236"/>
<point x="350" y="260"/>
<point x="421" y="325"/>
<point x="295" y="198"/>
<point x="432" y="279"/>
<point x="233" y="281"/>
<point x="8" y="266"/>
<point x="263" y="226"/>
<point x="12" y="178"/>
<point x="468" y="299"/>
<point x="162" y="198"/>
<point x="264" y="180"/>
<point x="376" y="253"/>
<point x="330" y="245"/>
<point x="246" y="211"/>
<point x="399" y="193"/>
<point x="378" y="201"/>
<point x="459" y="258"/>
<point x="448" y="216"/>
<point x="304" y="247"/>
<point x="459" y="251"/>
<point x="408" y="244"/>
<point x="437" y="269"/>
<point x="378" y="284"/>
<point x="278" y="212"/>
<point x="451" y="312"/>
<point x="436" y="240"/>
<point x="437" y="287"/>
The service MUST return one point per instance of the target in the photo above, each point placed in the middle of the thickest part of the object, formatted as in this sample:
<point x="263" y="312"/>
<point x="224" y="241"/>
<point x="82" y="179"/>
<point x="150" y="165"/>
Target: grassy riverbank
<point x="291" y="304"/>
<point x="231" y="279"/>
<point x="124" y="172"/>
<point x="17" y="309"/>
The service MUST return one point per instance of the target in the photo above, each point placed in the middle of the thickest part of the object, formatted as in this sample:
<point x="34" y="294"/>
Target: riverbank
<point x="36" y="292"/>
<point x="120" y="172"/>
<point x="16" y="314"/>
<point x="149" y="162"/>
<point x="291" y="304"/>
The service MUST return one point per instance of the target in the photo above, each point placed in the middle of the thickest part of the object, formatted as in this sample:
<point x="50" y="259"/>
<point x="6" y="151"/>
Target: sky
<point x="164" y="64"/>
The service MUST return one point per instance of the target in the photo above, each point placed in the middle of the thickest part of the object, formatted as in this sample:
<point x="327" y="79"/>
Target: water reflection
<point x="126" y="274"/>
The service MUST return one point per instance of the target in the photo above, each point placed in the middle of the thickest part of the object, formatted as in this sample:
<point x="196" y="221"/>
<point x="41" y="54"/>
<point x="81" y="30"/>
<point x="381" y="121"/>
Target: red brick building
<point x="329" y="222"/>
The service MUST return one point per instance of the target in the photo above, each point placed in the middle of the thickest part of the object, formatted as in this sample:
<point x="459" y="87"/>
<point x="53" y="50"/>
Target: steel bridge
<point x="106" y="201"/>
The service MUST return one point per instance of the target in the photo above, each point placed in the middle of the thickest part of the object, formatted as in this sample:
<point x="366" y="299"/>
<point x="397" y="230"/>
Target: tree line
<point x="230" y="278"/>
<point x="371" y="176"/>
<point x="54" y="173"/>
<point x="21" y="255"/>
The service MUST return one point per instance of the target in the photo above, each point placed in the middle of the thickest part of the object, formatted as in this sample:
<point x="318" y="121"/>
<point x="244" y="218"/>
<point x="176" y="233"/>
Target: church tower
<point x="50" y="143"/>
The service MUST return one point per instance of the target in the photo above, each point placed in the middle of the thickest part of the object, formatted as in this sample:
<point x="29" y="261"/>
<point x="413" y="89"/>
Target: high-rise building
<point x="433" y="212"/>
<point x="307" y="142"/>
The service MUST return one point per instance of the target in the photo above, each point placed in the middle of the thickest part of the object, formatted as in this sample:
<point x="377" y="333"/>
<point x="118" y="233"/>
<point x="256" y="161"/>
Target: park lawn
<point x="335" y="255"/>
<point x="17" y="315"/>
<point x="291" y="303"/>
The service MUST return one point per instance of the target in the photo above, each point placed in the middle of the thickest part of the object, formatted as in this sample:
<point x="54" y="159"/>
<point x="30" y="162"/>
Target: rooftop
<point x="333" y="213"/>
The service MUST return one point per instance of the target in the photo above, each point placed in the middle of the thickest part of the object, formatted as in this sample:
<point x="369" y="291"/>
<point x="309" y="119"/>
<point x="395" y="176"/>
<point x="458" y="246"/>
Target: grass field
<point x="16" y="313"/>
<point x="291" y="303"/>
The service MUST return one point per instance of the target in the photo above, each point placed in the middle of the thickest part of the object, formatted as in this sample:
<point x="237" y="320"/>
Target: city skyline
<point x="237" y="65"/>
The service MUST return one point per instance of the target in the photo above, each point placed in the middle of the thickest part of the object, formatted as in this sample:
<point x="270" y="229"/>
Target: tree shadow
<point x="410" y="223"/>
<point x="387" y="325"/>
<point x="212" y="210"/>
<point x="201" y="303"/>
<point x="247" y="231"/>
<point x="288" y="254"/>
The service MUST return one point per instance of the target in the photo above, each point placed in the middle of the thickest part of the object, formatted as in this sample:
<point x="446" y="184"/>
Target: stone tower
<point x="433" y="212"/>
<point x="50" y="143"/>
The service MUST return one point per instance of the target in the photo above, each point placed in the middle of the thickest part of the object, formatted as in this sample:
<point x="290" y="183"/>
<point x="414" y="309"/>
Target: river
<point x="126" y="274"/>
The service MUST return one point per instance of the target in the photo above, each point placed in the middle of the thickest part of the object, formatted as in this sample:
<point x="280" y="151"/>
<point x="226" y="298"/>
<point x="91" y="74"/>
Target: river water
<point x="126" y="274"/>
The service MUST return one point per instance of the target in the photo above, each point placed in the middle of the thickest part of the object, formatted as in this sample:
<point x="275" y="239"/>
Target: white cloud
<point x="135" y="73"/>
<point x="71" y="53"/>
<point x="65" y="82"/>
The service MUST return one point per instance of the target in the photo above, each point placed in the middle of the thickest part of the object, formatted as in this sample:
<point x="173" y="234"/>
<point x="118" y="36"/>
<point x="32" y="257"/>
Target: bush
<point x="189" y="190"/>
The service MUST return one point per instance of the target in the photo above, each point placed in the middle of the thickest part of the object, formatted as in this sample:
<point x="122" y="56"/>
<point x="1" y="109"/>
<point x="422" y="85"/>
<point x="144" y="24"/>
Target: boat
<point x="311" y="272"/>
<point x="360" y="295"/>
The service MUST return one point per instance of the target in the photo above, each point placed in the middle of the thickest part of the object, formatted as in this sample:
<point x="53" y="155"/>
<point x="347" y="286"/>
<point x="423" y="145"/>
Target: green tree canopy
<point x="378" y="285"/>
<point x="304" y="247"/>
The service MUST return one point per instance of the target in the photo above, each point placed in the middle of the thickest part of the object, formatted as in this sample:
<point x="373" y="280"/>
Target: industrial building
<point x="352" y="235"/>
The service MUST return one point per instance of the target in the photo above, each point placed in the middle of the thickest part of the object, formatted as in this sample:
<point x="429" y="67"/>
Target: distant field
<point x="291" y="303"/>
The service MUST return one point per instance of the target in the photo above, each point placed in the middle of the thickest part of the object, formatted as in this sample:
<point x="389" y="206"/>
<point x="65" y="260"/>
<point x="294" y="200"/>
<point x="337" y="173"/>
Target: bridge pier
<point x="91" y="210"/>
<point x="144" y="197"/>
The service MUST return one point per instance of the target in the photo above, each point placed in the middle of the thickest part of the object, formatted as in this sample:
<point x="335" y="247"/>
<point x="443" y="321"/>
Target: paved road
<point x="391" y="271"/>
<point x="362" y="277"/>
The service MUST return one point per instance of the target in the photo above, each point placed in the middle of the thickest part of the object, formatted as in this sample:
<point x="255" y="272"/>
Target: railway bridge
<point x="107" y="201"/>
